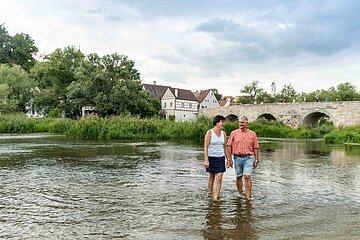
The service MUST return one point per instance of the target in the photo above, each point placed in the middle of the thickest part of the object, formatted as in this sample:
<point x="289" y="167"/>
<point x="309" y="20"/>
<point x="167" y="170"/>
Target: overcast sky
<point x="195" y="45"/>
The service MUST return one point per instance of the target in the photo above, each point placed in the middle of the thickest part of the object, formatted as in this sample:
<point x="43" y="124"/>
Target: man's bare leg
<point x="248" y="186"/>
<point x="239" y="184"/>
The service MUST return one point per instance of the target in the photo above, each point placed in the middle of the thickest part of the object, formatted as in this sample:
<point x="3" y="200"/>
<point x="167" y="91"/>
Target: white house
<point x="206" y="99"/>
<point x="32" y="112"/>
<point x="157" y="91"/>
<point x="179" y="103"/>
<point x="30" y="109"/>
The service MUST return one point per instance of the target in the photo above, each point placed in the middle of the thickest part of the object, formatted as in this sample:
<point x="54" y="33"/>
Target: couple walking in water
<point x="240" y="151"/>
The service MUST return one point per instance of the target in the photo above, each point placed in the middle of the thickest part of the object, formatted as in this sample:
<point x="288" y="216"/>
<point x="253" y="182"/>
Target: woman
<point x="214" y="149"/>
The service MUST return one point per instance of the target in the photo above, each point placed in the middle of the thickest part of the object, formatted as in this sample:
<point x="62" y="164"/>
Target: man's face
<point x="242" y="123"/>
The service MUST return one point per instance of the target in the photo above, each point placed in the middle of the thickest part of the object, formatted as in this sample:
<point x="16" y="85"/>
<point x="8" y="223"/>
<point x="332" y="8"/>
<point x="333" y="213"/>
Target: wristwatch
<point x="257" y="161"/>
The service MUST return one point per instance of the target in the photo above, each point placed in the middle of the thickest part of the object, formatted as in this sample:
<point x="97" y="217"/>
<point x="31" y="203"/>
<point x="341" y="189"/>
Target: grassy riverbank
<point x="126" y="127"/>
<point x="22" y="124"/>
<point x="349" y="135"/>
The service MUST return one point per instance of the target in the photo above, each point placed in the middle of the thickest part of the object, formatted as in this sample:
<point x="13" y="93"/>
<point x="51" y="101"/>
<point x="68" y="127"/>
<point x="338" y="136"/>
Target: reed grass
<point x="127" y="127"/>
<point x="344" y="135"/>
<point x="19" y="123"/>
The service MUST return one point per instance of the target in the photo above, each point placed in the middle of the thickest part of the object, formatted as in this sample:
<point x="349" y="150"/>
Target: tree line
<point x="66" y="80"/>
<point x="255" y="94"/>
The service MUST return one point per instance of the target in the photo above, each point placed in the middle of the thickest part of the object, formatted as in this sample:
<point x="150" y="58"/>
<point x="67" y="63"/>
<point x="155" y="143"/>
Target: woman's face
<point x="220" y="123"/>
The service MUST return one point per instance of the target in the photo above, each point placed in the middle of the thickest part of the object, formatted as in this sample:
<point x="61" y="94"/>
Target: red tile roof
<point x="201" y="95"/>
<point x="183" y="94"/>
<point x="157" y="91"/>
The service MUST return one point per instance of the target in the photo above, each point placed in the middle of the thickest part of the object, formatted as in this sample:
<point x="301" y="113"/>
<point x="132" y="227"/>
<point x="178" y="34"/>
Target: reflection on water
<point x="55" y="188"/>
<point x="223" y="222"/>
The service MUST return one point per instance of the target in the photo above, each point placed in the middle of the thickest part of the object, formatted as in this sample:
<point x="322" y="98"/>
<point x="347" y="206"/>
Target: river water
<point x="56" y="188"/>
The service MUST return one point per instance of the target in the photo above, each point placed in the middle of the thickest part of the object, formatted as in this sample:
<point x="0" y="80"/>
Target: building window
<point x="182" y="105"/>
<point x="171" y="104"/>
<point x="164" y="105"/>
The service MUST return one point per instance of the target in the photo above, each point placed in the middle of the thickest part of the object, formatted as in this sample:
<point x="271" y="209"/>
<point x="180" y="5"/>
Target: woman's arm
<point x="206" y="148"/>
<point x="229" y="162"/>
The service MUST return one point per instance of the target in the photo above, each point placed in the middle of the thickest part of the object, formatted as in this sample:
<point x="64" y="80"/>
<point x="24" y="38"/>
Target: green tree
<point x="7" y="105"/>
<point x="53" y="76"/>
<point x="112" y="85"/>
<point x="265" y="97"/>
<point x="343" y="92"/>
<point x="19" y="49"/>
<point x="217" y="94"/>
<point x="347" y="92"/>
<point x="244" y="100"/>
<point x="288" y="93"/>
<point x="18" y="86"/>
<point x="4" y="45"/>
<point x="45" y="100"/>
<point x="253" y="90"/>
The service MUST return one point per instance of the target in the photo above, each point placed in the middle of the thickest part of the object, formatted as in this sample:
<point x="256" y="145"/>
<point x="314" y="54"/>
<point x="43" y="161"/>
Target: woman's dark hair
<point x="217" y="119"/>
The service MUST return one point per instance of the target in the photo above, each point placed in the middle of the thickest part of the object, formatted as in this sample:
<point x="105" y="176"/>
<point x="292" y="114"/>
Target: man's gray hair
<point x="243" y="117"/>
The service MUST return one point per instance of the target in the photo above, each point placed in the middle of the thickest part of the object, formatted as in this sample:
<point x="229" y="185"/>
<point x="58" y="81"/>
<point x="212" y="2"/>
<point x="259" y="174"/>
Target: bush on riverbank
<point x="22" y="124"/>
<point x="126" y="127"/>
<point x="275" y="130"/>
<point x="344" y="135"/>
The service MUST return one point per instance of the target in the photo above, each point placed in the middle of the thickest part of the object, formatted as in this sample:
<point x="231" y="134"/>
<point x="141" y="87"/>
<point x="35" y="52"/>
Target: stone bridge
<point x="345" y="113"/>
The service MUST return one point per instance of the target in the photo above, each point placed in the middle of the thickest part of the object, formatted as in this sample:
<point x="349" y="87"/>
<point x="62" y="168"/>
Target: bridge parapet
<point x="344" y="113"/>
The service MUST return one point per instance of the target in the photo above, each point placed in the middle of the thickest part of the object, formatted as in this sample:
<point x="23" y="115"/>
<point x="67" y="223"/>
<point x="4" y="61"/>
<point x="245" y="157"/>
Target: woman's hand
<point x="229" y="163"/>
<point x="206" y="163"/>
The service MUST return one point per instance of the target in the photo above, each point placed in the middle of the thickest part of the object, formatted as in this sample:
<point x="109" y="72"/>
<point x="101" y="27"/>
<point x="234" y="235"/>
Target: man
<point x="243" y="147"/>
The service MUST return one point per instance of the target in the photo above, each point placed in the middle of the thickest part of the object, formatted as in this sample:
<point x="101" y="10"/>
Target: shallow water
<point x="54" y="188"/>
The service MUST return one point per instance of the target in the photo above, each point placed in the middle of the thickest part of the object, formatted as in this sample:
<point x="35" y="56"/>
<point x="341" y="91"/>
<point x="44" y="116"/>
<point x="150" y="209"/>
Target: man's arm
<point x="256" y="156"/>
<point x="256" y="152"/>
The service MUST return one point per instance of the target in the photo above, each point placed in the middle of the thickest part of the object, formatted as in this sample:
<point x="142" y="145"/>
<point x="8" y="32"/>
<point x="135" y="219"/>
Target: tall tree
<point x="253" y="90"/>
<point x="16" y="86"/>
<point x="112" y="85"/>
<point x="217" y="94"/>
<point x="54" y="75"/>
<point x="288" y="93"/>
<point x="19" y="49"/>
<point x="4" y="45"/>
<point x="343" y="92"/>
<point x="347" y="92"/>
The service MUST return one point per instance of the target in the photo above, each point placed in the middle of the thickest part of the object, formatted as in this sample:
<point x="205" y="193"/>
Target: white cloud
<point x="199" y="45"/>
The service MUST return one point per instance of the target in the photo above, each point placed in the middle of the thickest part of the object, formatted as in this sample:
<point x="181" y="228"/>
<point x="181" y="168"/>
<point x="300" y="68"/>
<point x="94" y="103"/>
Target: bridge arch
<point x="232" y="118"/>
<point x="313" y="119"/>
<point x="266" y="116"/>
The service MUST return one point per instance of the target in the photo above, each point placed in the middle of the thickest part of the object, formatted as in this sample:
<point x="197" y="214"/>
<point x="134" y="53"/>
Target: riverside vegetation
<point x="127" y="127"/>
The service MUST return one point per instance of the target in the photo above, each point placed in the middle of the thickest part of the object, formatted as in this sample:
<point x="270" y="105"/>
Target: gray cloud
<point x="94" y="11"/>
<point x="321" y="29"/>
<point x="113" y="18"/>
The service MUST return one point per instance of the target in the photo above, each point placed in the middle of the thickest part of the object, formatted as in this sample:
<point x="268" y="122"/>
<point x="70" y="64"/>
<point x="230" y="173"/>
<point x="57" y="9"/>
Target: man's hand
<point x="229" y="163"/>
<point x="255" y="164"/>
